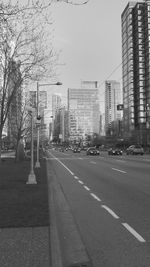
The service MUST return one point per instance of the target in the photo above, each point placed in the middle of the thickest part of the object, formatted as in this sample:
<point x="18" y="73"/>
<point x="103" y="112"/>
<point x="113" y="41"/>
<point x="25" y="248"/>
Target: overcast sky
<point x="90" y="39"/>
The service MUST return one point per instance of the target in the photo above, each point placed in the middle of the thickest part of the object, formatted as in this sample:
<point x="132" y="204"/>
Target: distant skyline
<point x="89" y="37"/>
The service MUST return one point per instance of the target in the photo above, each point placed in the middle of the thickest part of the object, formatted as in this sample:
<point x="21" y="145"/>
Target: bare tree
<point x="19" y="122"/>
<point x="25" y="53"/>
<point x="25" y="47"/>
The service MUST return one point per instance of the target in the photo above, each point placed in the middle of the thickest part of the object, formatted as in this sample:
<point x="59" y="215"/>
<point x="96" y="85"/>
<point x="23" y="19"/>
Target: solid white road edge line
<point x="118" y="170"/>
<point x="133" y="232"/>
<point x="97" y="198"/>
<point x="62" y="164"/>
<point x="110" y="211"/>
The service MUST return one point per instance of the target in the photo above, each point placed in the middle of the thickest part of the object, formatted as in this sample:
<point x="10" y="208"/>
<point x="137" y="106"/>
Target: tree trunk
<point x="0" y="144"/>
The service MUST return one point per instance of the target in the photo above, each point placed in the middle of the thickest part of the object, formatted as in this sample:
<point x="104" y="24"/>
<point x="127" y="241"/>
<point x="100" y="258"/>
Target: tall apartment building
<point x="113" y="97"/>
<point x="136" y="68"/>
<point x="84" y="114"/>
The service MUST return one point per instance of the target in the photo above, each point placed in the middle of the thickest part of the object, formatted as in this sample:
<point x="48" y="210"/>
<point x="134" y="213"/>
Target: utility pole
<point x="32" y="177"/>
<point x="37" y="165"/>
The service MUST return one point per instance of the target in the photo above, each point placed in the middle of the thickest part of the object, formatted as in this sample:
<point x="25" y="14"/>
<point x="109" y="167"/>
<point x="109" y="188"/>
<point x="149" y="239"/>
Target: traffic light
<point x="38" y="117"/>
<point x="120" y="107"/>
<point x="38" y="120"/>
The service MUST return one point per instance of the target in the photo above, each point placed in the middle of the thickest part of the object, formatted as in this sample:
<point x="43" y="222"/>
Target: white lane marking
<point x="63" y="165"/>
<point x="80" y="158"/>
<point x="93" y="162"/>
<point x="146" y="160"/>
<point x="97" y="198"/>
<point x="71" y="158"/>
<point x="80" y="182"/>
<point x="120" y="160"/>
<point x="133" y="232"/>
<point x="76" y="177"/>
<point x="118" y="170"/>
<point x="110" y="211"/>
<point x="87" y="188"/>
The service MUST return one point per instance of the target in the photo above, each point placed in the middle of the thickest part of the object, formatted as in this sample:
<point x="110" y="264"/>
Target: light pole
<point x="147" y="109"/>
<point x="31" y="177"/>
<point x="37" y="164"/>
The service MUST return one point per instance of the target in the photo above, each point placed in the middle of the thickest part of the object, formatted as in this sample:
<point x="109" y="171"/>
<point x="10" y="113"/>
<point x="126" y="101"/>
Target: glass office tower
<point x="83" y="108"/>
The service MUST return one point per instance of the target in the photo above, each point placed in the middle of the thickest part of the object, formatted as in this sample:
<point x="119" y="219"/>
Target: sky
<point x="89" y="37"/>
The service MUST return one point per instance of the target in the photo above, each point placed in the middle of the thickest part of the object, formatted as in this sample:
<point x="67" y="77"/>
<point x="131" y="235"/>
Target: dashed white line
<point x="118" y="170"/>
<point x="110" y="211"/>
<point x="93" y="162"/>
<point x="94" y="196"/>
<point x="127" y="226"/>
<point x="133" y="232"/>
<point x="87" y="188"/>
<point x="120" y="160"/>
<point x="80" y="182"/>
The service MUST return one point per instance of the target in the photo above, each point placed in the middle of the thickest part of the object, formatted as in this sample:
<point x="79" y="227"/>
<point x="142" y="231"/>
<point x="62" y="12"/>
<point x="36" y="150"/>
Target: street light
<point x="37" y="164"/>
<point x="31" y="177"/>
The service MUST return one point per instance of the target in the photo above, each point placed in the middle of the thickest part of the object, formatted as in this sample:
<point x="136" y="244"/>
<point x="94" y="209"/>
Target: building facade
<point x="136" y="70"/>
<point x="113" y="98"/>
<point x="44" y="127"/>
<point x="84" y="114"/>
<point x="15" y="109"/>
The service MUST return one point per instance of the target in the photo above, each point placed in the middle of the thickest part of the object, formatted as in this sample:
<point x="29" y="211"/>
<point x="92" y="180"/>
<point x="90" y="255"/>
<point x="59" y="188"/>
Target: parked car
<point x="92" y="151"/>
<point x="135" y="150"/>
<point x="114" y="151"/>
<point x="76" y="150"/>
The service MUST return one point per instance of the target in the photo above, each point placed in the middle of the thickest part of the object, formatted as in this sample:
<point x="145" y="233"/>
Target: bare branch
<point x="74" y="3"/>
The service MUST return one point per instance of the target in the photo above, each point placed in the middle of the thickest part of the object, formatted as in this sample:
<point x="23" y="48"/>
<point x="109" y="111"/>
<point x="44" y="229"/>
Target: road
<point x="109" y="197"/>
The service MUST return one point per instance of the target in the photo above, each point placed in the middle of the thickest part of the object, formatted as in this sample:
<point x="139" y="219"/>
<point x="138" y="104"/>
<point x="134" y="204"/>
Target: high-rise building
<point x="89" y="84"/>
<point x="56" y="103"/>
<point x="44" y="129"/>
<point x="84" y="114"/>
<point x="15" y="109"/>
<point x="136" y="68"/>
<point x="113" y="98"/>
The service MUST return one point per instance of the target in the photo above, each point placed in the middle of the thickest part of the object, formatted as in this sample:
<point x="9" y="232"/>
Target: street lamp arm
<point x="45" y="84"/>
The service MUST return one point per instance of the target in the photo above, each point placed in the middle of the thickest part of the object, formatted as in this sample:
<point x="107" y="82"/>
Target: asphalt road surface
<point x="109" y="197"/>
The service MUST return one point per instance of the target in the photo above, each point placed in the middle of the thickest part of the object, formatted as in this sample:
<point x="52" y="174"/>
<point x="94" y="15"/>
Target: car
<point x="92" y="151"/>
<point x="114" y="151"/>
<point x="135" y="150"/>
<point x="76" y="150"/>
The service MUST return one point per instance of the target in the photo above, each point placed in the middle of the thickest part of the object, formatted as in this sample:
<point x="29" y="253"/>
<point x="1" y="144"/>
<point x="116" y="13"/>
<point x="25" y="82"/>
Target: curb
<point x="67" y="248"/>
